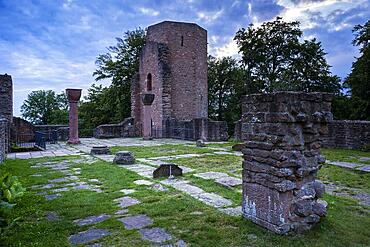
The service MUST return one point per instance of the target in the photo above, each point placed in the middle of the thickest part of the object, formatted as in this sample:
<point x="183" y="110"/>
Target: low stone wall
<point x="125" y="128"/>
<point x="347" y="134"/>
<point x="199" y="128"/>
<point x="282" y="157"/>
<point x="4" y="138"/>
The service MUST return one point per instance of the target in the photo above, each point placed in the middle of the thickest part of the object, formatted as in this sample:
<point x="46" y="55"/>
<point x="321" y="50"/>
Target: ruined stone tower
<point x="173" y="67"/>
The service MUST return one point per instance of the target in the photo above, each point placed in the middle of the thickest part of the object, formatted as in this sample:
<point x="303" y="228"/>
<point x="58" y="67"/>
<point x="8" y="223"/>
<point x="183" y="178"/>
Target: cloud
<point x="209" y="16"/>
<point x="228" y="49"/>
<point x="149" y="11"/>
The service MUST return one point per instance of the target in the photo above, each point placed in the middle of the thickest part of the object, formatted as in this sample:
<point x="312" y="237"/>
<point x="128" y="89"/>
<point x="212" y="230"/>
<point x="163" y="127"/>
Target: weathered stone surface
<point x="200" y="143"/>
<point x="99" y="150"/>
<point x="136" y="222"/>
<point x="229" y="181"/>
<point x="159" y="187"/>
<point x="143" y="182"/>
<point x="88" y="236"/>
<point x="210" y="175"/>
<point x="167" y="170"/>
<point x="124" y="158"/>
<point x="238" y="147"/>
<point x="127" y="191"/>
<point x="126" y="201"/>
<point x="281" y="159"/>
<point x="52" y="197"/>
<point x="156" y="235"/>
<point x="91" y="220"/>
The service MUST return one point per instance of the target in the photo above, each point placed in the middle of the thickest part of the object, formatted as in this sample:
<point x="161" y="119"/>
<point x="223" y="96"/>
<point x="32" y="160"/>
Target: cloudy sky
<point x="53" y="44"/>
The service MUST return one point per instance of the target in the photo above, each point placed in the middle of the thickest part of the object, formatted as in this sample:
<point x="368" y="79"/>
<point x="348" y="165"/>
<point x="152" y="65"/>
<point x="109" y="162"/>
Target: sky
<point x="53" y="44"/>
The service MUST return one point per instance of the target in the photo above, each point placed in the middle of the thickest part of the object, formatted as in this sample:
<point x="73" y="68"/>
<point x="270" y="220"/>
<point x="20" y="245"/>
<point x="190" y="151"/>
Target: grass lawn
<point x="345" y="155"/>
<point x="347" y="222"/>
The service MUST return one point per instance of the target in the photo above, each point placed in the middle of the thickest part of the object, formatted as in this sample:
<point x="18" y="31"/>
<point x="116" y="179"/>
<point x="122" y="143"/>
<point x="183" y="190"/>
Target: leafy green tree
<point x="225" y="88"/>
<point x="275" y="59"/>
<point x="358" y="81"/>
<point x="45" y="107"/>
<point x="119" y="64"/>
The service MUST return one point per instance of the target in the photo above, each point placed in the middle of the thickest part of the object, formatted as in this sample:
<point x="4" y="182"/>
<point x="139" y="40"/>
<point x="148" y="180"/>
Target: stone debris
<point x="88" y="236"/>
<point x="36" y="175"/>
<point x="121" y="211"/>
<point x="99" y="150"/>
<point x="126" y="201"/>
<point x="167" y="170"/>
<point x="200" y="143"/>
<point x="136" y="222"/>
<point x="156" y="235"/>
<point x="91" y="220"/>
<point x="124" y="158"/>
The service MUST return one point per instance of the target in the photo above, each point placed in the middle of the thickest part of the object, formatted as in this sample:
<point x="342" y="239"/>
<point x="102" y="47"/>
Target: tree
<point x="275" y="59"/>
<point x="225" y="88"/>
<point x="45" y="107"/>
<point x="358" y="81"/>
<point x="120" y="64"/>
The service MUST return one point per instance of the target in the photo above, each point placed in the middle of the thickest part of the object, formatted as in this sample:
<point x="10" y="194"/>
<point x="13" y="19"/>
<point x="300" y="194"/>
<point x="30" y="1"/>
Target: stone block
<point x="99" y="150"/>
<point x="167" y="170"/>
<point x="124" y="158"/>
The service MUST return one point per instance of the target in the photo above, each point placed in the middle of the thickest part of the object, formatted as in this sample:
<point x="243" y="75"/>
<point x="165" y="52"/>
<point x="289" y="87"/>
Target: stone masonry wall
<point x="347" y="134"/>
<point x="282" y="157"/>
<point x="4" y="138"/>
<point x="6" y="97"/>
<point x="124" y="129"/>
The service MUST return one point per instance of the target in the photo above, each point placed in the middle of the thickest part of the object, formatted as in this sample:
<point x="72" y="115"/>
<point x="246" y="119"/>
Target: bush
<point x="10" y="190"/>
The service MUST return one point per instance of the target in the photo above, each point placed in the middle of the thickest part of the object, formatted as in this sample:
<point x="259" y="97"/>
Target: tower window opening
<point x="182" y="40"/>
<point x="149" y="82"/>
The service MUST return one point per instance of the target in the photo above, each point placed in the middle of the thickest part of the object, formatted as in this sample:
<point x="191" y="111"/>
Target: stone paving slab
<point x="237" y="211"/>
<point x="136" y="222"/>
<point x="211" y="175"/>
<point x="88" y="236"/>
<point x="342" y="164"/>
<point x="91" y="220"/>
<point x="229" y="181"/>
<point x="156" y="235"/>
<point x="364" y="168"/>
<point x="127" y="191"/>
<point x="126" y="201"/>
<point x="51" y="216"/>
<point x="143" y="182"/>
<point x="213" y="200"/>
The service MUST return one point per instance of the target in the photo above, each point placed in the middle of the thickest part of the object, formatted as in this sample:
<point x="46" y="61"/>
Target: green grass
<point x="346" y="177"/>
<point x="162" y="150"/>
<point x="346" y="224"/>
<point x="345" y="155"/>
<point x="229" y="164"/>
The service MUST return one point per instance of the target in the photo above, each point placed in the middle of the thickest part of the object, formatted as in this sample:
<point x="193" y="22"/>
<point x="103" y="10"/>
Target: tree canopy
<point x="275" y="59"/>
<point x="45" y="107"/>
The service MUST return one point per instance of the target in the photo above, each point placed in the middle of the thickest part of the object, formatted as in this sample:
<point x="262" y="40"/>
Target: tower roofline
<point x="177" y="23"/>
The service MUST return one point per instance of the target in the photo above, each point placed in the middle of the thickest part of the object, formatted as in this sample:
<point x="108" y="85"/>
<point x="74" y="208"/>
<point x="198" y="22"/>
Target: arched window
<point x="149" y="82"/>
<point x="182" y="40"/>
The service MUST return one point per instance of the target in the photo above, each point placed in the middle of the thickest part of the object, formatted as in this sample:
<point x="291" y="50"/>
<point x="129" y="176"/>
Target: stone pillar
<point x="147" y="99"/>
<point x="74" y="96"/>
<point x="282" y="157"/>
<point x="6" y="97"/>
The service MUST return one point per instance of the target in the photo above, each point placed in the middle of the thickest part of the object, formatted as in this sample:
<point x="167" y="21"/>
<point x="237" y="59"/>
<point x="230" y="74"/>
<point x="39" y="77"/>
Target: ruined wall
<point x="6" y="97"/>
<point x="347" y="134"/>
<point x="282" y="157"/>
<point x="124" y="129"/>
<point x="4" y="138"/>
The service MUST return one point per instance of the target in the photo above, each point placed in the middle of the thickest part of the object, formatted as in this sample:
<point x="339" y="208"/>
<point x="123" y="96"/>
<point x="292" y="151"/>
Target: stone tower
<point x="173" y="67"/>
<point x="6" y="97"/>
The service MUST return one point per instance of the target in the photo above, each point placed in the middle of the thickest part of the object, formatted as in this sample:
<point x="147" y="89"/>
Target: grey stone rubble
<point x="357" y="194"/>
<point x="124" y="158"/>
<point x="91" y="220"/>
<point x="51" y="216"/>
<point x="88" y="236"/>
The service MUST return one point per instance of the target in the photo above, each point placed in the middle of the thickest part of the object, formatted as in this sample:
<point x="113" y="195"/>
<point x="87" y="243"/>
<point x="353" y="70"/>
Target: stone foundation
<point x="282" y="157"/>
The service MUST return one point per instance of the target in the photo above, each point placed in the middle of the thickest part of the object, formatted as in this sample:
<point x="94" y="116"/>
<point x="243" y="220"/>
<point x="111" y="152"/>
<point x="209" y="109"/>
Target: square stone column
<point x="282" y="157"/>
<point x="74" y="96"/>
<point x="147" y="99"/>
